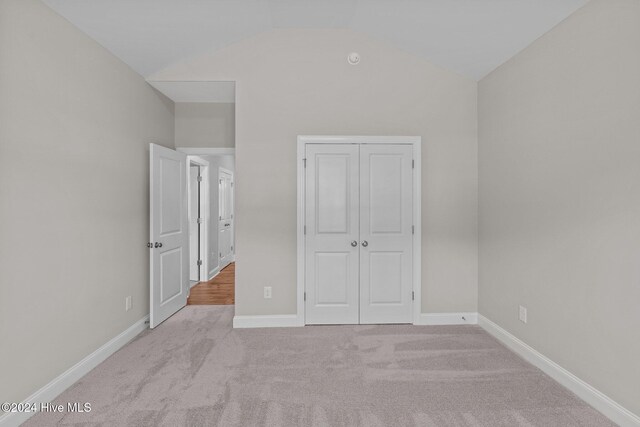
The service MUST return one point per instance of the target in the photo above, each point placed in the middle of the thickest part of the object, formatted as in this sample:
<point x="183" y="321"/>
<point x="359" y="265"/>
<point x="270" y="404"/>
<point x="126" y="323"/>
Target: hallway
<point x="217" y="291"/>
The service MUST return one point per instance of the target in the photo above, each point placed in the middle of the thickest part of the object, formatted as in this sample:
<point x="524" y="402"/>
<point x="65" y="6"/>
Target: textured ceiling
<point x="470" y="37"/>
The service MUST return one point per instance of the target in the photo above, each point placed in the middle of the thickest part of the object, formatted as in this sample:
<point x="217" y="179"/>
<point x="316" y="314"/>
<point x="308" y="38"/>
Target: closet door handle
<point x="365" y="244"/>
<point x="354" y="243"/>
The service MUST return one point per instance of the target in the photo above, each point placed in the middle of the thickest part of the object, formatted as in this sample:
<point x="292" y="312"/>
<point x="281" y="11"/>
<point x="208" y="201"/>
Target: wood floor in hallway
<point x="217" y="291"/>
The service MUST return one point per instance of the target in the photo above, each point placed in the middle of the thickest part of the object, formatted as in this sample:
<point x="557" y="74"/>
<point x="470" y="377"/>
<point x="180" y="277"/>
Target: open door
<point x="225" y="224"/>
<point x="169" y="233"/>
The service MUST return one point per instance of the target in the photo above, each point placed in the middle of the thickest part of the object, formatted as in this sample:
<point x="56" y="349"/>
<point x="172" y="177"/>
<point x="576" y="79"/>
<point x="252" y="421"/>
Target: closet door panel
<point x="331" y="218"/>
<point x="386" y="220"/>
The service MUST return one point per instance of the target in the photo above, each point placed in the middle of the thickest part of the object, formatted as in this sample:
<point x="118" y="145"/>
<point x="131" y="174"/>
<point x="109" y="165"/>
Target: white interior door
<point x="194" y="225"/>
<point x="225" y="227"/>
<point x="331" y="239"/>
<point x="386" y="220"/>
<point x="169" y="233"/>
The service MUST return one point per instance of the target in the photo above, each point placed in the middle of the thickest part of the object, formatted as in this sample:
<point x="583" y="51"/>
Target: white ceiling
<point x="471" y="37"/>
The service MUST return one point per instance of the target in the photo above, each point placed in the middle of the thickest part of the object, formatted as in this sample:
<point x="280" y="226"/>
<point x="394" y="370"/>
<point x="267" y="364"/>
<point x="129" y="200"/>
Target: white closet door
<point x="386" y="233"/>
<point x="332" y="257"/>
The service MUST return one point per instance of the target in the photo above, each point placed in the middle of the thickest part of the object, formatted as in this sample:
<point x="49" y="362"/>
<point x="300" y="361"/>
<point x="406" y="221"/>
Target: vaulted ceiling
<point x="470" y="37"/>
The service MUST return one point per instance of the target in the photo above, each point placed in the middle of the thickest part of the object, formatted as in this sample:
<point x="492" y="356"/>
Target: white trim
<point x="195" y="151"/>
<point x="417" y="222"/>
<point x="65" y="380"/>
<point x="267" y="321"/>
<point x="300" y="251"/>
<point x="357" y="139"/>
<point x="213" y="273"/>
<point x="416" y="141"/>
<point x="607" y="406"/>
<point x="461" y="318"/>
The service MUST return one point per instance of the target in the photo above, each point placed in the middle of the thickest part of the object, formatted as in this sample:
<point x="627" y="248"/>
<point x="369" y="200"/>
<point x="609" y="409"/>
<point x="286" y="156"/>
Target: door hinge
<point x="232" y="184"/>
<point x="413" y="295"/>
<point x="305" y="230"/>
<point x="304" y="161"/>
<point x="199" y="262"/>
<point x="304" y="296"/>
<point x="200" y="221"/>
<point x="413" y="164"/>
<point x="220" y="254"/>
<point x="199" y="178"/>
<point x="231" y="248"/>
<point x="413" y="229"/>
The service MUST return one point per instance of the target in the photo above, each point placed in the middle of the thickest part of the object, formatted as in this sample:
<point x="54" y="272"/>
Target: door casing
<point x="416" y="141"/>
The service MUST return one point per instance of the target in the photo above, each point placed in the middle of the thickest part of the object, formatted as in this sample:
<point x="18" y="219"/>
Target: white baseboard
<point x="274" y="321"/>
<point x="468" y="318"/>
<point x="65" y="380"/>
<point x="607" y="406"/>
<point x="292" y="320"/>
<point x="213" y="273"/>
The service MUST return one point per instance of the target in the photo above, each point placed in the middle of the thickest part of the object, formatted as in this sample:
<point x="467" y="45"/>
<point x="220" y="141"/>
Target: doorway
<point x="219" y="289"/>
<point x="217" y="284"/>
<point x="185" y="252"/>
<point x="192" y="219"/>
<point x="359" y="210"/>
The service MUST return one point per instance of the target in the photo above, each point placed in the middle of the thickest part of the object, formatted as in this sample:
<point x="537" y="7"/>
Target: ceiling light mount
<point x="353" y="58"/>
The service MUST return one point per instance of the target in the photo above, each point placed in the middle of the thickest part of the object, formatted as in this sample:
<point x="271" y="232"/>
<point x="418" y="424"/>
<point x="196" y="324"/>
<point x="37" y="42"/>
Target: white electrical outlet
<point x="267" y="292"/>
<point x="523" y="314"/>
<point x="127" y="303"/>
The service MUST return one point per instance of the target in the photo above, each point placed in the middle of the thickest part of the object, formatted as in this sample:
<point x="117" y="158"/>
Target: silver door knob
<point x="365" y="244"/>
<point x="354" y="243"/>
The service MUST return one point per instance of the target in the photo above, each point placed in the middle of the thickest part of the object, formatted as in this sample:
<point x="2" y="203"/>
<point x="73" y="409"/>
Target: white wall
<point x="292" y="82"/>
<point x="75" y="124"/>
<point x="559" y="164"/>
<point x="205" y="124"/>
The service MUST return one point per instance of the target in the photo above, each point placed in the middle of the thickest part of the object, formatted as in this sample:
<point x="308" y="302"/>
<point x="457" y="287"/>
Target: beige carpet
<point x="194" y="370"/>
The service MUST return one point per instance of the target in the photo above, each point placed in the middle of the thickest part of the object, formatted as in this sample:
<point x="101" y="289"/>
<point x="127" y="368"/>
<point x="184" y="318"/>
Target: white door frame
<point x="204" y="201"/>
<point x="416" y="141"/>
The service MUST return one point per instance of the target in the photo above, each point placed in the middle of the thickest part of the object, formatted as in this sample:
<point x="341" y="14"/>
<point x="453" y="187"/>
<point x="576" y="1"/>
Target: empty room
<point x="320" y="213"/>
